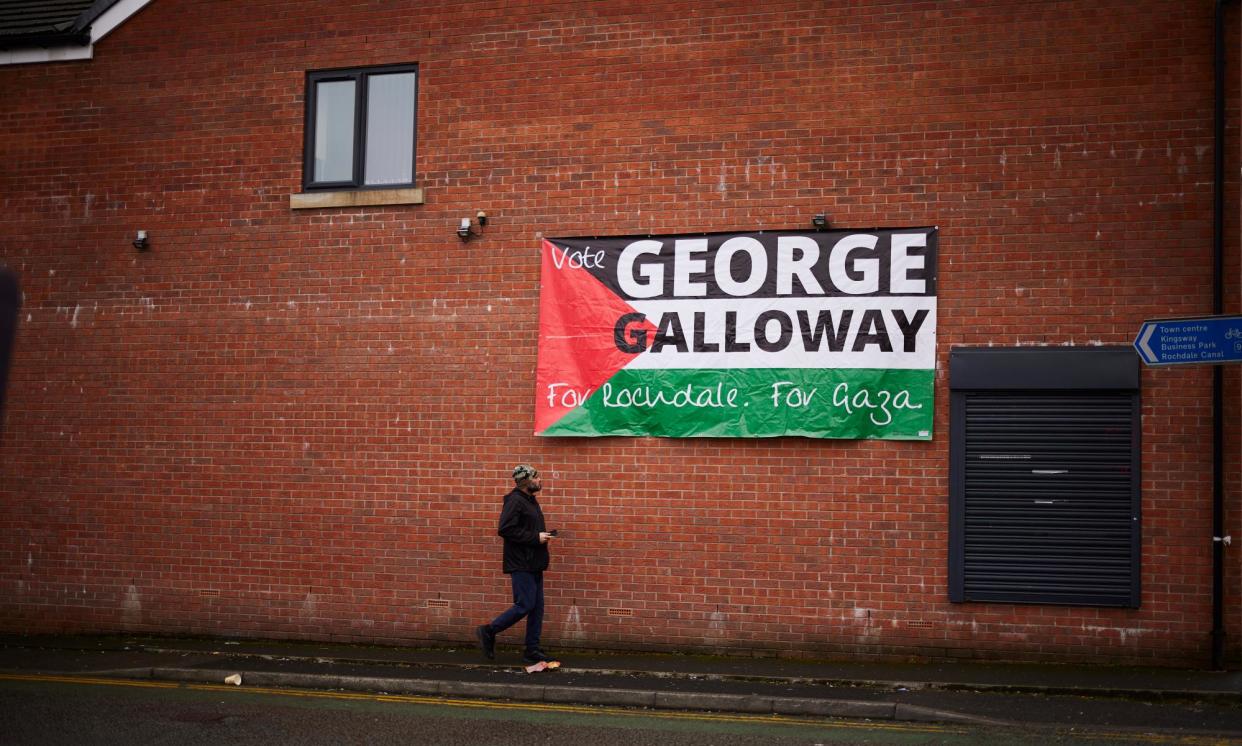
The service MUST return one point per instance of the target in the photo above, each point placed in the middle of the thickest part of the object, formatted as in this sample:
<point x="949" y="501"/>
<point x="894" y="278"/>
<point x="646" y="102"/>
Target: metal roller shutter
<point x="1049" y="508"/>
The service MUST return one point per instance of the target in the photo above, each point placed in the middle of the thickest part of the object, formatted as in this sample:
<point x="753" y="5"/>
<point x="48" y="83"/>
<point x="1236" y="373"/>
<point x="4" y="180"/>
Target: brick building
<point x="288" y="408"/>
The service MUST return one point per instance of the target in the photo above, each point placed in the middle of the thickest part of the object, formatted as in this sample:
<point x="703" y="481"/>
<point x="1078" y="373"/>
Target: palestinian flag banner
<point x="822" y="334"/>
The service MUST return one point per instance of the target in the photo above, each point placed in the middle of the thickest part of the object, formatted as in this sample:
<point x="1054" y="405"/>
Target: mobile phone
<point x="552" y="532"/>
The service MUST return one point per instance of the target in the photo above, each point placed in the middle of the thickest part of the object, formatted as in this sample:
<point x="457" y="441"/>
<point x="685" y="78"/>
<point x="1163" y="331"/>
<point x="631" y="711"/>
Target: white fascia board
<point x="103" y="25"/>
<point x="46" y="54"/>
<point x="115" y="16"/>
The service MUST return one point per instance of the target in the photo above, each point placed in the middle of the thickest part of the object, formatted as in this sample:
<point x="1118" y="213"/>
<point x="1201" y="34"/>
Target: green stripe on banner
<point x="893" y="404"/>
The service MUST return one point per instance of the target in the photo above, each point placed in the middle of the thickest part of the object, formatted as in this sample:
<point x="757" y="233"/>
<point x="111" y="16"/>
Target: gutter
<point x="79" y="38"/>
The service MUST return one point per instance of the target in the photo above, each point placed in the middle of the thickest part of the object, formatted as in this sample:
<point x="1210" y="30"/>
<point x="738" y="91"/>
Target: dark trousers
<point x="528" y="603"/>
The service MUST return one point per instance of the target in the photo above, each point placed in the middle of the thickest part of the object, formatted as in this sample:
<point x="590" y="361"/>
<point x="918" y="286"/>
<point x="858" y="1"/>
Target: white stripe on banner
<point x="838" y="332"/>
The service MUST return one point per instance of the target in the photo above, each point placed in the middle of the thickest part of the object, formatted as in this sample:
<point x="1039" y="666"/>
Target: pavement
<point x="985" y="694"/>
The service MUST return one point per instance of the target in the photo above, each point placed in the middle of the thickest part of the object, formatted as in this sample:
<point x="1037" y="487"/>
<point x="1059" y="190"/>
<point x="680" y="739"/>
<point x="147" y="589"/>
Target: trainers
<point x="487" y="641"/>
<point x="536" y="656"/>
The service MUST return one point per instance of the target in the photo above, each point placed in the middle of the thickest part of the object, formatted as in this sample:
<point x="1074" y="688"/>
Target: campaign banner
<point x="820" y="334"/>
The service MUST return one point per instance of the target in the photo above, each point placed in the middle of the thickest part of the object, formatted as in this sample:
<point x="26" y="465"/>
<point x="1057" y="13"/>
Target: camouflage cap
<point x="522" y="471"/>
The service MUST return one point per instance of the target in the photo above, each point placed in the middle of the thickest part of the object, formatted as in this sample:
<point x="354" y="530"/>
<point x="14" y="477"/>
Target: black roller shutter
<point x="1044" y="486"/>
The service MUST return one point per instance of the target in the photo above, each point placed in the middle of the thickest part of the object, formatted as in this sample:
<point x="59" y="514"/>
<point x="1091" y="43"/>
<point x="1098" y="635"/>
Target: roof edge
<point x="73" y="43"/>
<point x="98" y="8"/>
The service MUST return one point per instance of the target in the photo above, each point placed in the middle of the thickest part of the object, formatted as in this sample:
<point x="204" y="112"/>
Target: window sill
<point x="358" y="198"/>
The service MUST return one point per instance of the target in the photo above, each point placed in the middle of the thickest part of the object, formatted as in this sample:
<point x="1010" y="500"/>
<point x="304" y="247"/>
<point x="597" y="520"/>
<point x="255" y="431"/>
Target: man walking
<point x="525" y="558"/>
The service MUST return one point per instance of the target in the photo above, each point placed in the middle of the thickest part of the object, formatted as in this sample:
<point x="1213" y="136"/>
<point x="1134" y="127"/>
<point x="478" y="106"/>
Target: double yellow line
<point x="510" y="705"/>
<point x="482" y="704"/>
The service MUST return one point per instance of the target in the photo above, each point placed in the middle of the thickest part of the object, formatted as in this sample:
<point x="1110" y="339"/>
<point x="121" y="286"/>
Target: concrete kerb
<point x="553" y="694"/>
<point x="1151" y="695"/>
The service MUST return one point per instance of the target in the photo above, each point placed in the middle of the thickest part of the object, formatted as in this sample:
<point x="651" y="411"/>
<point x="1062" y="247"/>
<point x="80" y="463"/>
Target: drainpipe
<point x="1218" y="302"/>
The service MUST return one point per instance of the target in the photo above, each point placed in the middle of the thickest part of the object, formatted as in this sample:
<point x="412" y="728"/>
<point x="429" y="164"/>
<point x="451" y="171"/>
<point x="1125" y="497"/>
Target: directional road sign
<point x="1208" y="339"/>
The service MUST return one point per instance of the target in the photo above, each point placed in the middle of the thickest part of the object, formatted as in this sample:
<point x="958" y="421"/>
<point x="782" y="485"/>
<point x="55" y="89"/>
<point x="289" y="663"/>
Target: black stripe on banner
<point x="768" y="264"/>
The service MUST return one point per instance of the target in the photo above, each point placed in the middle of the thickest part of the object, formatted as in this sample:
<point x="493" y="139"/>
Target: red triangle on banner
<point x="577" y="350"/>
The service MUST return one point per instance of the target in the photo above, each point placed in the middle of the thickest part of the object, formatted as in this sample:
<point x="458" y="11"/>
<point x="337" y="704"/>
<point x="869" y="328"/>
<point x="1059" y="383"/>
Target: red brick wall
<point x="288" y="423"/>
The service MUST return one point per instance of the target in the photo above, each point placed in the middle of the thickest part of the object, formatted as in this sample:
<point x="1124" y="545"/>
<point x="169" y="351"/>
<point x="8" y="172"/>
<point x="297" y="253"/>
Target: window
<point x="360" y="128"/>
<point x="1044" y="476"/>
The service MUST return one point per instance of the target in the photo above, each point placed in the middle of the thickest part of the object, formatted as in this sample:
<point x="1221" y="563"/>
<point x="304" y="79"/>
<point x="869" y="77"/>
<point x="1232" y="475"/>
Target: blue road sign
<point x="1208" y="339"/>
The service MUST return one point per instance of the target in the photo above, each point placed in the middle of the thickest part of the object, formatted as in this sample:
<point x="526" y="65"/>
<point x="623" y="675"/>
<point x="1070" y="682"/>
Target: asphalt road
<point x="81" y="710"/>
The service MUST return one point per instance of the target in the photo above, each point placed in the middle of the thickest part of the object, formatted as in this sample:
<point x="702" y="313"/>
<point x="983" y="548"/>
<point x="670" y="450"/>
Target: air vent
<point x="620" y="612"/>
<point x="437" y="603"/>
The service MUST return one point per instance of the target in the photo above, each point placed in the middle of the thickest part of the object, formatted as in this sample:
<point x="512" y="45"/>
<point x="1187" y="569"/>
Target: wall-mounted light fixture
<point x="465" y="231"/>
<point x="141" y="242"/>
<point x="820" y="221"/>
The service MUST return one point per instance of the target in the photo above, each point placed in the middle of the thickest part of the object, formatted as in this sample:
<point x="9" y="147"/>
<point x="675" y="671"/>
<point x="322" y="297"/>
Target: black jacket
<point x="521" y="521"/>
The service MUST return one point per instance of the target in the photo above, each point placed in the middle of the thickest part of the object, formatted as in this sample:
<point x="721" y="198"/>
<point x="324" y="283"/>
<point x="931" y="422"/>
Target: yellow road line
<point x="141" y="683"/>
<point x="1155" y="738"/>
<point x="485" y="704"/>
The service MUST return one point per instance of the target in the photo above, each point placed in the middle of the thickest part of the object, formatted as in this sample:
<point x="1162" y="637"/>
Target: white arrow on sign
<point x="1143" y="346"/>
